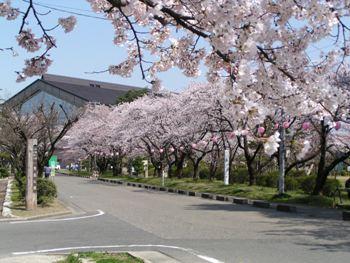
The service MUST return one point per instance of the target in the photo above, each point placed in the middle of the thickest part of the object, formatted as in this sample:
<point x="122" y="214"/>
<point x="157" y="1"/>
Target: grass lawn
<point x="18" y="207"/>
<point x="101" y="258"/>
<point x="239" y="190"/>
<point x="70" y="172"/>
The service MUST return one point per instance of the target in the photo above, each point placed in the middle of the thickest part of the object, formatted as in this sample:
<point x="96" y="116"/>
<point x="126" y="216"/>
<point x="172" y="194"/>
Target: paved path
<point x="189" y="229"/>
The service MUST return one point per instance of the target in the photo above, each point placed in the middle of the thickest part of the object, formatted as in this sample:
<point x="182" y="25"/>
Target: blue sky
<point x="88" y="48"/>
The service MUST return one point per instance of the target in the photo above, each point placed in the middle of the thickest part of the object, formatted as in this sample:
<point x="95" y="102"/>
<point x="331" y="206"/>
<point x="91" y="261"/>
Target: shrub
<point x="4" y="172"/>
<point x="187" y="171"/>
<point x="291" y="184"/>
<point x="138" y="165"/>
<point x="219" y="173"/>
<point x="46" y="190"/>
<point x="330" y="187"/>
<point x="307" y="183"/>
<point x="240" y="175"/>
<point x="204" y="173"/>
<point x="269" y="179"/>
<point x="296" y="173"/>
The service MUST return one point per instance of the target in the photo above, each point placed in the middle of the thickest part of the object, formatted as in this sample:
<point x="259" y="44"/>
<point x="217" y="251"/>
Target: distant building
<point x="69" y="93"/>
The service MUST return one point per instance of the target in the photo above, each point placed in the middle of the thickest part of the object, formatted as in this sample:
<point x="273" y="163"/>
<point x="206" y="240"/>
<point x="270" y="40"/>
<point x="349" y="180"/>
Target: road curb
<point x="286" y="208"/>
<point x="261" y="204"/>
<point x="73" y="175"/>
<point x="152" y="257"/>
<point x="240" y="201"/>
<point x="346" y="215"/>
<point x="280" y="207"/>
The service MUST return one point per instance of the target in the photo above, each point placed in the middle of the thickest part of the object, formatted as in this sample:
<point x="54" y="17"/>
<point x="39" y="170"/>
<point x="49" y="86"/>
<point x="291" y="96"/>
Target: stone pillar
<point x="31" y="174"/>
<point x="145" y="168"/>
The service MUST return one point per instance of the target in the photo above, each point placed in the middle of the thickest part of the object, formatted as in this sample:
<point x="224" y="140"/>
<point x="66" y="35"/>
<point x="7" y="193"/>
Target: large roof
<point x="81" y="89"/>
<point x="90" y="90"/>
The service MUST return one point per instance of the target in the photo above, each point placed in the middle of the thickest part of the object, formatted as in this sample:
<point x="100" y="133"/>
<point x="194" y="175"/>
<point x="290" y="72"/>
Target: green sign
<point x="52" y="164"/>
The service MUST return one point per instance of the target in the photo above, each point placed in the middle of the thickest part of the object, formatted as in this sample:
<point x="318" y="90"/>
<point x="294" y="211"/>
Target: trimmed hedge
<point x="307" y="183"/>
<point x="240" y="175"/>
<point x="269" y="179"/>
<point x="330" y="187"/>
<point x="46" y="190"/>
<point x="4" y="172"/>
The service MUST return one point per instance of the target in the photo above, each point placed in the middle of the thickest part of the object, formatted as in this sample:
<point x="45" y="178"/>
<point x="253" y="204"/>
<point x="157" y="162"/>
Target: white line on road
<point x="191" y="251"/>
<point x="99" y="213"/>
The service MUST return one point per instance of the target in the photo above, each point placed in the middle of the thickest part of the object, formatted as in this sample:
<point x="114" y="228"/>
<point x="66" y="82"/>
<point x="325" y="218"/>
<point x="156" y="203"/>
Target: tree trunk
<point x="249" y="162"/>
<point x="170" y="171"/>
<point x="179" y="166"/>
<point x="195" y="170"/>
<point x="321" y="177"/>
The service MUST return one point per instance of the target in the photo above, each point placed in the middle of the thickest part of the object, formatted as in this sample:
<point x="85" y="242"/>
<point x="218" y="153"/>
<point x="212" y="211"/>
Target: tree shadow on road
<point x="314" y="233"/>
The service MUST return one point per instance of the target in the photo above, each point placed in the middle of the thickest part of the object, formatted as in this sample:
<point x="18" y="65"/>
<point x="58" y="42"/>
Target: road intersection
<point x="189" y="229"/>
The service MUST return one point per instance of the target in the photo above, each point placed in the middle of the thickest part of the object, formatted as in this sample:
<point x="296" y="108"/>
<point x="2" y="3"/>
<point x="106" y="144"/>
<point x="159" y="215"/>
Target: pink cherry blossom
<point x="261" y="130"/>
<point x="286" y="124"/>
<point x="337" y="125"/>
<point x="306" y="126"/>
<point x="68" y="23"/>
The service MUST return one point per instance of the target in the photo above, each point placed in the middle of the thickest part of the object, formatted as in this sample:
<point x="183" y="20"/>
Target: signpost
<point x="227" y="167"/>
<point x="31" y="174"/>
<point x="53" y="164"/>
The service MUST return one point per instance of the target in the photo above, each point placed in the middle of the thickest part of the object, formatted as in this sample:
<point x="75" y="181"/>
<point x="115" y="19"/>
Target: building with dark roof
<point x="69" y="93"/>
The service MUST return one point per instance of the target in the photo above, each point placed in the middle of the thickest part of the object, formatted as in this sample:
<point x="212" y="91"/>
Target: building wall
<point x="47" y="100"/>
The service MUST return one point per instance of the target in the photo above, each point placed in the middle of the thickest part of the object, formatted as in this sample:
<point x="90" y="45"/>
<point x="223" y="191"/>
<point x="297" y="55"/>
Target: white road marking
<point x="188" y="250"/>
<point x="209" y="259"/>
<point x="100" y="213"/>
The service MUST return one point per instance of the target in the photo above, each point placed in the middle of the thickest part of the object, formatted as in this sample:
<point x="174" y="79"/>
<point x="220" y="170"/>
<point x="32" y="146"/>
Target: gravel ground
<point x="3" y="184"/>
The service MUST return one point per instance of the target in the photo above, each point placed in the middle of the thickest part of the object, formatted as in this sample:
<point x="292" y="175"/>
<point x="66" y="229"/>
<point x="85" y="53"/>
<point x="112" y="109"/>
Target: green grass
<point x="79" y="173"/>
<point x="101" y="258"/>
<point x="241" y="190"/>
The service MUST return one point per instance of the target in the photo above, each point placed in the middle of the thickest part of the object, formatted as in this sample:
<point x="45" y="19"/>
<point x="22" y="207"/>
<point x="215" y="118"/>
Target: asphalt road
<point x="189" y="229"/>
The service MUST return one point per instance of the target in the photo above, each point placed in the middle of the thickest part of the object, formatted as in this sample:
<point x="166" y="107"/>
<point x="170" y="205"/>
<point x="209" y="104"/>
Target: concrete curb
<point x="281" y="207"/>
<point x="6" y="207"/>
<point x="152" y="257"/>
<point x="36" y="217"/>
<point x="346" y="215"/>
<point x="73" y="175"/>
<point x="261" y="204"/>
<point x="286" y="208"/>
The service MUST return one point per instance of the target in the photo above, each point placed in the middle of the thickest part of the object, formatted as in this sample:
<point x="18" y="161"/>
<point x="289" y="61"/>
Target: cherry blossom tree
<point x="44" y="124"/>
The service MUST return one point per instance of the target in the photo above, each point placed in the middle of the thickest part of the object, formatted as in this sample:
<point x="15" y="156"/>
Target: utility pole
<point x="31" y="174"/>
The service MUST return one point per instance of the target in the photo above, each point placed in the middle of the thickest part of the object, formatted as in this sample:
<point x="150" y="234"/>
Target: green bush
<point x="204" y="173"/>
<point x="4" y="172"/>
<point x="138" y="165"/>
<point x="219" y="173"/>
<point x="330" y="187"/>
<point x="240" y="175"/>
<point x="307" y="183"/>
<point x="291" y="184"/>
<point x="269" y="179"/>
<point x="187" y="172"/>
<point x="46" y="190"/>
<point x="296" y="173"/>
